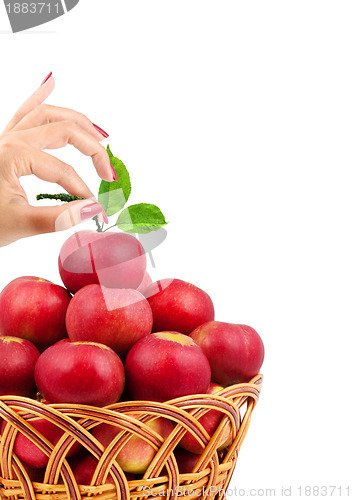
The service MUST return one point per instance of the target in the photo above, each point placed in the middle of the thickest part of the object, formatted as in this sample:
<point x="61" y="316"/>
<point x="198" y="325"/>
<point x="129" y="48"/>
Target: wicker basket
<point x="209" y="478"/>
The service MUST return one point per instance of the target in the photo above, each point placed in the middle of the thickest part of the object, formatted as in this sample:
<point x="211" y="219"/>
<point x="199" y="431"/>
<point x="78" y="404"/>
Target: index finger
<point x="59" y="134"/>
<point x="37" y="98"/>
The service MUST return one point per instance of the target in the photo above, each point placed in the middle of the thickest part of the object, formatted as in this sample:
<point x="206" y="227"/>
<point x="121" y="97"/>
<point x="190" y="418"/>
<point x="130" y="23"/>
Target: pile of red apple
<point x="111" y="334"/>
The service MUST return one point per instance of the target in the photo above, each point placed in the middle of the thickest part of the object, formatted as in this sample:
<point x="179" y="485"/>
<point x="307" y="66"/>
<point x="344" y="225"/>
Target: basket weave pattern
<point x="162" y="480"/>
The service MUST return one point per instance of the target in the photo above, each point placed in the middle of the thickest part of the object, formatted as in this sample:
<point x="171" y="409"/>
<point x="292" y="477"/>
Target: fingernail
<point x="115" y="177"/>
<point x="101" y="131"/>
<point x="89" y="211"/>
<point x="105" y="217"/>
<point x="46" y="78"/>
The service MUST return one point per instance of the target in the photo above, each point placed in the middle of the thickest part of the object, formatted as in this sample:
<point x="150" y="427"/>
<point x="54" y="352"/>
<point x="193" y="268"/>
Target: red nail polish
<point x="89" y="211"/>
<point x="46" y="78"/>
<point x="115" y="177"/>
<point x="100" y="130"/>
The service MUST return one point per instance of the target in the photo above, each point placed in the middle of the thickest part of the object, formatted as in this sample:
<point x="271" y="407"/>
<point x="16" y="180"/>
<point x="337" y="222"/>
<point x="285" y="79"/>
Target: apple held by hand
<point x="166" y="365"/>
<point x="114" y="260"/>
<point x="18" y="358"/>
<point x="178" y="306"/>
<point x="34" y="309"/>
<point x="235" y="352"/>
<point x="115" y="317"/>
<point x="210" y="421"/>
<point x="80" y="372"/>
<point x="137" y="454"/>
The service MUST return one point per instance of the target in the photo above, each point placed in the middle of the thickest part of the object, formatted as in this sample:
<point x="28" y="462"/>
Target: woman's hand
<point x="35" y="127"/>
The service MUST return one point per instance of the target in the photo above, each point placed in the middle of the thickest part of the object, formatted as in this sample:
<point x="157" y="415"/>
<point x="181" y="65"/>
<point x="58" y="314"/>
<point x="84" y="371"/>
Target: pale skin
<point x="36" y="127"/>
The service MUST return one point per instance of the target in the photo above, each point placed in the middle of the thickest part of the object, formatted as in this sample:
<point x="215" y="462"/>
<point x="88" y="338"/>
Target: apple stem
<point x="99" y="226"/>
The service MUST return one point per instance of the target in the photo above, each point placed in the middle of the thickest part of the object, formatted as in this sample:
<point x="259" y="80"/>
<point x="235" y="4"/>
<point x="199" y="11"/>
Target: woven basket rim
<point x="236" y="403"/>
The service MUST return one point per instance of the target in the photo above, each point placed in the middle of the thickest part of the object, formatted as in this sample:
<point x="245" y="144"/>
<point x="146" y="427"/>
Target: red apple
<point x="114" y="260"/>
<point x="166" y="365"/>
<point x="29" y="453"/>
<point x="186" y="461"/>
<point x="35" y="475"/>
<point x="80" y="372"/>
<point x="18" y="358"/>
<point x="136" y="455"/>
<point x="235" y="352"/>
<point x="178" y="306"/>
<point x="34" y="309"/>
<point x="210" y="421"/>
<point x="84" y="465"/>
<point x="145" y="283"/>
<point x="114" y="317"/>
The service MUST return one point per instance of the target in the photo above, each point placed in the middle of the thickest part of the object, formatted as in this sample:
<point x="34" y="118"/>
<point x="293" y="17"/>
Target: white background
<point x="236" y="118"/>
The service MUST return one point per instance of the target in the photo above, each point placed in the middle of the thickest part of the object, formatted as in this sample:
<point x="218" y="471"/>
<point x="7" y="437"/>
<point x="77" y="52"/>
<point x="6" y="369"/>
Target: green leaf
<point x="113" y="195"/>
<point x="141" y="218"/>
